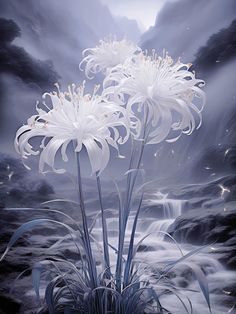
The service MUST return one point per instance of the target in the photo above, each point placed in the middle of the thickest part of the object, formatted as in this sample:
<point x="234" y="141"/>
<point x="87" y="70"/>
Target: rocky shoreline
<point x="209" y="217"/>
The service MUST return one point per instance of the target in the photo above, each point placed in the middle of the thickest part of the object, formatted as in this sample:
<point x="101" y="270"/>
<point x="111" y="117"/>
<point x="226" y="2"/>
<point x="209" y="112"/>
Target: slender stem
<point x="131" y="245"/>
<point x="134" y="180"/>
<point x="145" y="137"/>
<point x="126" y="210"/>
<point x="123" y="223"/>
<point x="104" y="230"/>
<point x="88" y="249"/>
<point x="130" y="167"/>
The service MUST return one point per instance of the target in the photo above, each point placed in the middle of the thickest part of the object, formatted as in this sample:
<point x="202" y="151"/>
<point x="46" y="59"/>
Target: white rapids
<point x="156" y="251"/>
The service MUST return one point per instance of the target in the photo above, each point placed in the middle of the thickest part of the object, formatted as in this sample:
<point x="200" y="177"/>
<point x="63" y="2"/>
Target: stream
<point x="156" y="251"/>
<point x="160" y="212"/>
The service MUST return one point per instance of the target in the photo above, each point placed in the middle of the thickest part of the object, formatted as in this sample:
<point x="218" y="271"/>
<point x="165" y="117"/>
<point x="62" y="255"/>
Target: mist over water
<point x="156" y="249"/>
<point x="47" y="48"/>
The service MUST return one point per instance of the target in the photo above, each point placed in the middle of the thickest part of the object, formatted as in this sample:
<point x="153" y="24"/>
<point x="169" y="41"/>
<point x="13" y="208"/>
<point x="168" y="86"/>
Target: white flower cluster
<point x="135" y="85"/>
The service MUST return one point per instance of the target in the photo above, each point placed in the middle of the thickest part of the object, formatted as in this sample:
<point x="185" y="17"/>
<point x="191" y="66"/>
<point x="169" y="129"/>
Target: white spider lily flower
<point x="88" y="120"/>
<point x="108" y="54"/>
<point x="168" y="91"/>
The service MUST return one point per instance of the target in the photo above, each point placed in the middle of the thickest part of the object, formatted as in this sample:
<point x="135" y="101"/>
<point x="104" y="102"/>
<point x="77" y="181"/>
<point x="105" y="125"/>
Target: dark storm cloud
<point x="219" y="49"/>
<point x="9" y="31"/>
<point x="50" y="30"/>
<point x="16" y="61"/>
<point x="60" y="31"/>
<point x="18" y="187"/>
<point x="22" y="81"/>
<point x="183" y="26"/>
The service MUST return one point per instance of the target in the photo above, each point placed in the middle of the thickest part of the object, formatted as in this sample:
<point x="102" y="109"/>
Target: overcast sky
<point x="144" y="11"/>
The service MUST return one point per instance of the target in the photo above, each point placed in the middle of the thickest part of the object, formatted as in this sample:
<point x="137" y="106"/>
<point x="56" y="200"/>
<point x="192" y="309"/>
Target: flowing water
<point x="156" y="251"/>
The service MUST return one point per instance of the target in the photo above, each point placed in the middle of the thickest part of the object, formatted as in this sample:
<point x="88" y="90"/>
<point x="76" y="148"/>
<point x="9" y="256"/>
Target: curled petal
<point x="169" y="91"/>
<point x="108" y="54"/>
<point x="94" y="153"/>
<point x="48" y="155"/>
<point x="90" y="120"/>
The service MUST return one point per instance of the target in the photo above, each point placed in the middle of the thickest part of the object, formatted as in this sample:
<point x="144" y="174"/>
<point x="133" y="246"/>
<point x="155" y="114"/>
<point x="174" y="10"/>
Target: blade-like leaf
<point x="44" y="210"/>
<point x="60" y="200"/>
<point x="183" y="258"/>
<point x="134" y="171"/>
<point x="202" y="280"/>
<point x="49" y="294"/>
<point x="28" y="226"/>
<point x="36" y="275"/>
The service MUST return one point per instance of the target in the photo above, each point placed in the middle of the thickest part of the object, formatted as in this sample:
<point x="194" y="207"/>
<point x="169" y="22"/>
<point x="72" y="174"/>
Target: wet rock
<point x="204" y="226"/>
<point x="210" y="190"/>
<point x="214" y="226"/>
<point x="153" y="211"/>
<point x="231" y="263"/>
<point x="146" y="248"/>
<point x="226" y="255"/>
<point x="71" y="255"/>
<point x="195" y="202"/>
<point x="13" y="265"/>
<point x="9" y="305"/>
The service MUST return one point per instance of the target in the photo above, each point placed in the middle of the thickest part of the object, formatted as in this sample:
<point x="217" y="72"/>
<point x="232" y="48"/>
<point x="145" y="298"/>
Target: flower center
<point x="154" y="92"/>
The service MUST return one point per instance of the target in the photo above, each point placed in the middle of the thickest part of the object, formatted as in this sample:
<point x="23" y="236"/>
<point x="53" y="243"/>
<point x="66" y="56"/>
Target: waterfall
<point x="170" y="209"/>
<point x="156" y="251"/>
